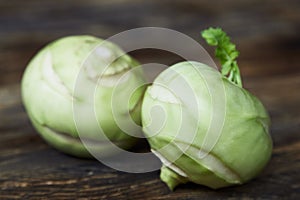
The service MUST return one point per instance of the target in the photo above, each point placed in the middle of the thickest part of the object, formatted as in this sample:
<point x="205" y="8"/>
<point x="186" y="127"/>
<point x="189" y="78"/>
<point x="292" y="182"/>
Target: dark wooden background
<point x="267" y="34"/>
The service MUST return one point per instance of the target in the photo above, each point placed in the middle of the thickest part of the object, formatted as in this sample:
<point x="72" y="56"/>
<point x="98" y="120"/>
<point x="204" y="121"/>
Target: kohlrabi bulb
<point x="241" y="149"/>
<point x="79" y="72"/>
<point x="205" y="127"/>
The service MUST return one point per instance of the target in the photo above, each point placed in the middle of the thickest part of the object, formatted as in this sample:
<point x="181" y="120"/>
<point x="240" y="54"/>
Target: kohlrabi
<point x="49" y="94"/>
<point x="203" y="125"/>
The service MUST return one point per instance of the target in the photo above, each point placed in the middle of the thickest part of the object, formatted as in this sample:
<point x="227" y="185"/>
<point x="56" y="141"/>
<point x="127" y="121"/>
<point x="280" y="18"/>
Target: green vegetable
<point x="182" y="110"/>
<point x="48" y="92"/>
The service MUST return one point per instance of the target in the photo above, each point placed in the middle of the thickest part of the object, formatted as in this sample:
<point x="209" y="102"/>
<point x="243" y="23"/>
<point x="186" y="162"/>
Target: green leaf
<point x="226" y="52"/>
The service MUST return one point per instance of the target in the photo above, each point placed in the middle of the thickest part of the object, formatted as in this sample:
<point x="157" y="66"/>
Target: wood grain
<point x="267" y="34"/>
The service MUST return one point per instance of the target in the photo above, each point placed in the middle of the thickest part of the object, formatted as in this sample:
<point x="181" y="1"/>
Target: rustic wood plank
<point x="26" y="26"/>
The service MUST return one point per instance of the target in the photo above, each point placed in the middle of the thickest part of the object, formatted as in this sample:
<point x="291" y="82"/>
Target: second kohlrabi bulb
<point x="79" y="72"/>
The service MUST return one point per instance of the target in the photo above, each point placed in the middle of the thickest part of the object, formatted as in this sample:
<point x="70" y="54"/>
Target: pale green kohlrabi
<point x="48" y="93"/>
<point x="177" y="127"/>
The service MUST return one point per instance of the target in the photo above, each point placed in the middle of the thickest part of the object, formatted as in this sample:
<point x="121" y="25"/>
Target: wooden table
<point x="267" y="34"/>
